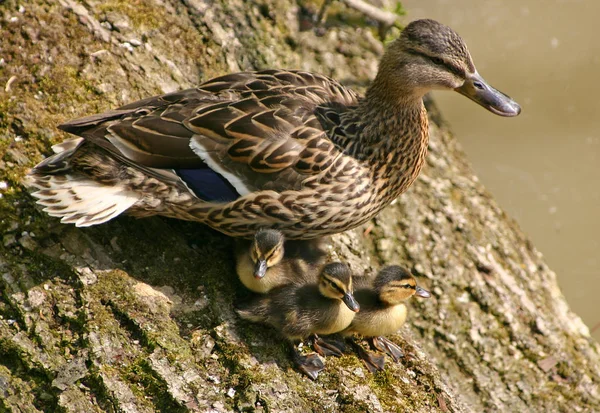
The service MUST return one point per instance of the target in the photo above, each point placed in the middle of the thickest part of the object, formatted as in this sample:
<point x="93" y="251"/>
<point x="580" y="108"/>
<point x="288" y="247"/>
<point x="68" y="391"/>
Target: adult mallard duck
<point x="284" y="149"/>
<point x="268" y="261"/>
<point x="301" y="310"/>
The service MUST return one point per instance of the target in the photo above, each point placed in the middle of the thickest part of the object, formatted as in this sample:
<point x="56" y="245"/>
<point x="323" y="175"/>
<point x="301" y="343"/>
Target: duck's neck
<point x="391" y="135"/>
<point x="388" y="120"/>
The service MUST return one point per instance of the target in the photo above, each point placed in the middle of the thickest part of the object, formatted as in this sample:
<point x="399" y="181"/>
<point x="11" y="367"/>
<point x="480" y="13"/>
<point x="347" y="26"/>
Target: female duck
<point x="284" y="149"/>
<point x="382" y="312"/>
<point x="299" y="311"/>
<point x="264" y="263"/>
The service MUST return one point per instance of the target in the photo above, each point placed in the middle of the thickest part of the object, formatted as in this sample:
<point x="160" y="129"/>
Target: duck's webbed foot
<point x="311" y="364"/>
<point x="373" y="362"/>
<point x="329" y="347"/>
<point x="386" y="346"/>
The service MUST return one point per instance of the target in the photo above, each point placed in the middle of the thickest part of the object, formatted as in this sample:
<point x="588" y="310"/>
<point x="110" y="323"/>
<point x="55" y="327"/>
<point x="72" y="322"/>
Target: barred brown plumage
<point x="299" y="151"/>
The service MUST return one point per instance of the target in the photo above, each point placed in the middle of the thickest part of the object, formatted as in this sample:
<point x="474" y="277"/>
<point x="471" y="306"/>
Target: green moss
<point x="239" y="378"/>
<point x="349" y="404"/>
<point x="338" y="14"/>
<point x="42" y="268"/>
<point x="142" y="14"/>
<point x="7" y="106"/>
<point x="38" y="381"/>
<point x="103" y="398"/>
<point x="399" y="9"/>
<point x="67" y="83"/>
<point x="147" y="385"/>
<point x="565" y="370"/>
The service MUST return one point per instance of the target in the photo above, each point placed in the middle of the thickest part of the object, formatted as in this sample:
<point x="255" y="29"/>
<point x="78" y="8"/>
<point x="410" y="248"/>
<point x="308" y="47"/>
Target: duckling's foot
<point x="386" y="346"/>
<point x="327" y="348"/>
<point x="373" y="362"/>
<point x="311" y="364"/>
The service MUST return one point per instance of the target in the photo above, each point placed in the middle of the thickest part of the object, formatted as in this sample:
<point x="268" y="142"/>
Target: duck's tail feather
<point x="60" y="161"/>
<point x="72" y="196"/>
<point x="69" y="145"/>
<point x="79" y="200"/>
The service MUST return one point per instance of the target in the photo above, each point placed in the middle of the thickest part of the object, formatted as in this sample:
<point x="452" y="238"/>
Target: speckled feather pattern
<point x="308" y="155"/>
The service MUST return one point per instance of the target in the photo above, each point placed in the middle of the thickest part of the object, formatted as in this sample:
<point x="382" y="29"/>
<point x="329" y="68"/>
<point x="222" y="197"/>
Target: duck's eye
<point x="438" y="61"/>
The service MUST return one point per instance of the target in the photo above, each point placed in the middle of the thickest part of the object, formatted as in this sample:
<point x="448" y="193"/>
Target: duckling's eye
<point x="334" y="286"/>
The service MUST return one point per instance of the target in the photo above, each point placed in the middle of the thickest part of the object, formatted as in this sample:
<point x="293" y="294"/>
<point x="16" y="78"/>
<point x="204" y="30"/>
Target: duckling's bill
<point x="260" y="269"/>
<point x="479" y="91"/>
<point x="422" y="292"/>
<point x="351" y="302"/>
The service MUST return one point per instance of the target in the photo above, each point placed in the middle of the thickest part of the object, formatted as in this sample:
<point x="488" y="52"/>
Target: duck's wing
<point x="255" y="130"/>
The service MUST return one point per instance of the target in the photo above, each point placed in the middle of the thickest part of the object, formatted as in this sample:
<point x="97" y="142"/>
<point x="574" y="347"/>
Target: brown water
<point x="543" y="166"/>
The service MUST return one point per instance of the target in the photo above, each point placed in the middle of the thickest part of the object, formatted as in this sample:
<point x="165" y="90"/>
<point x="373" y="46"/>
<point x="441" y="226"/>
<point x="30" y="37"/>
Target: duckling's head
<point x="429" y="55"/>
<point x="266" y="250"/>
<point x="394" y="284"/>
<point x="335" y="281"/>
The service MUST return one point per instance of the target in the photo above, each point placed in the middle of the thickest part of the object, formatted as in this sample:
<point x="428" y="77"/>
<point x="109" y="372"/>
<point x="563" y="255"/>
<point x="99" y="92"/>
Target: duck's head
<point x="394" y="284"/>
<point x="266" y="251"/>
<point x="429" y="55"/>
<point x="335" y="281"/>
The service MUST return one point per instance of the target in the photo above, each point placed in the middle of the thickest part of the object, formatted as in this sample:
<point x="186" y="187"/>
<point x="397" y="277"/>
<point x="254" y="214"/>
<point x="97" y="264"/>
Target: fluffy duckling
<point x="265" y="263"/>
<point x="302" y="310"/>
<point x="383" y="312"/>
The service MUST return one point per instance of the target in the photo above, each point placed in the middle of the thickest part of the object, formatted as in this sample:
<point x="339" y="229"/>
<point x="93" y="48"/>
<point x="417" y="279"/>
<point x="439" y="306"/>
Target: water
<point x="543" y="166"/>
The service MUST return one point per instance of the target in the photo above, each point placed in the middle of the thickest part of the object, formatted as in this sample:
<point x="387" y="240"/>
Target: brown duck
<point x="284" y="149"/>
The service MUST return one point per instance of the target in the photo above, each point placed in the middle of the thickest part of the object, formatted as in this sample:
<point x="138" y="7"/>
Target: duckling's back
<point x="311" y="313"/>
<point x="279" y="308"/>
<point x="303" y="261"/>
<point x="298" y="311"/>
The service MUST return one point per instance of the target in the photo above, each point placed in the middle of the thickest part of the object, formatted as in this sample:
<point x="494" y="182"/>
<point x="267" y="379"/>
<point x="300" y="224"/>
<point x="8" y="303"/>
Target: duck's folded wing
<point x="256" y="130"/>
<point x="148" y="132"/>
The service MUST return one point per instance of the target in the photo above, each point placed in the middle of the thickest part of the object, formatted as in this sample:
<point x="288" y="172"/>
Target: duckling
<point x="303" y="310"/>
<point x="383" y="312"/>
<point x="264" y="263"/>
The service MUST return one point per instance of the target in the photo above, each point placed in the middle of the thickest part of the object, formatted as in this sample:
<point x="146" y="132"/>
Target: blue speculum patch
<point x="208" y="185"/>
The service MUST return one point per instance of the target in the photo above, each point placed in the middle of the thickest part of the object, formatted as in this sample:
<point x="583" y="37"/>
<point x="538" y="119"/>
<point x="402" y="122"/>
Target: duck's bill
<point x="351" y="302"/>
<point x="478" y="90"/>
<point x="422" y="292"/>
<point x="260" y="269"/>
